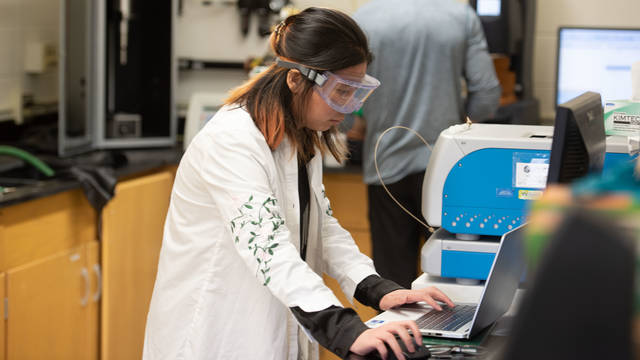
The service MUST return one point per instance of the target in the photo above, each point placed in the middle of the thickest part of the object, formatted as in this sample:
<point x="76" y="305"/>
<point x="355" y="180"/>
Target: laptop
<point x="465" y="320"/>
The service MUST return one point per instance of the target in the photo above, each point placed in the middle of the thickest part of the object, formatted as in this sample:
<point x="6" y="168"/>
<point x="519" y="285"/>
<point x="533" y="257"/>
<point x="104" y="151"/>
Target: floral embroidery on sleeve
<point x="257" y="219"/>
<point x="328" y="211"/>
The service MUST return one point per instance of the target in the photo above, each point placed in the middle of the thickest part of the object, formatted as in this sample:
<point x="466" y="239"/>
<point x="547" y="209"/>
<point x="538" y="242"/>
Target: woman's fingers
<point x="403" y="334"/>
<point x="390" y="339"/>
<point x="439" y="295"/>
<point x="429" y="300"/>
<point x="385" y="339"/>
<point x="416" y="332"/>
<point x="429" y="295"/>
<point x="382" y="349"/>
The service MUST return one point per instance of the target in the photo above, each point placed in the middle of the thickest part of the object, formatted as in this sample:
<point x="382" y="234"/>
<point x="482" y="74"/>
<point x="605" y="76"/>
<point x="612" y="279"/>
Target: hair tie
<point x="279" y="27"/>
<point x="279" y="31"/>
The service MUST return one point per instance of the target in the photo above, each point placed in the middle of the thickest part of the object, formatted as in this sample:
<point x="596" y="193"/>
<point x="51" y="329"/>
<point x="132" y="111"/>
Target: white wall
<point x="213" y="33"/>
<point x="554" y="13"/>
<point x="10" y="29"/>
<point x="22" y="22"/>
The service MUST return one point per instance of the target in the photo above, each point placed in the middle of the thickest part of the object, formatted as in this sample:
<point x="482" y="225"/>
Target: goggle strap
<point x="309" y="73"/>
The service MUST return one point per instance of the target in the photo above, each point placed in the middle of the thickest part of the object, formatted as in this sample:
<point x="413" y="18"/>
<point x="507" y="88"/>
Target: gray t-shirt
<point x="422" y="51"/>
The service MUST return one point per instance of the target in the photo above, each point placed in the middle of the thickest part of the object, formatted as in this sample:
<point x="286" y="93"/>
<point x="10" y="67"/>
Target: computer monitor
<point x="488" y="7"/>
<point x="509" y="28"/>
<point x="496" y="24"/>
<point x="578" y="146"/>
<point x="596" y="59"/>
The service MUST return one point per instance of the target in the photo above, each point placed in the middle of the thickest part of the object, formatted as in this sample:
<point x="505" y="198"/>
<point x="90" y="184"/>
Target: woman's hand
<point x="375" y="339"/>
<point x="429" y="295"/>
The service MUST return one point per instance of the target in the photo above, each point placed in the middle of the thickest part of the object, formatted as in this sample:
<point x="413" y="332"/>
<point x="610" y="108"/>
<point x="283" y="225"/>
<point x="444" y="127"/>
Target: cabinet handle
<point x="85" y="275"/>
<point x="98" y="294"/>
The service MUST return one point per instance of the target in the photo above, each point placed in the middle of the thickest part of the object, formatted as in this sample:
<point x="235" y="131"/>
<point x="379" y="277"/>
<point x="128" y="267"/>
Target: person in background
<point x="249" y="230"/>
<point x="422" y="51"/>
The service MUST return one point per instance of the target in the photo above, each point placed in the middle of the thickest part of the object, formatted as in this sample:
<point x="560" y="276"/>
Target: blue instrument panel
<point x="466" y="265"/>
<point x="489" y="191"/>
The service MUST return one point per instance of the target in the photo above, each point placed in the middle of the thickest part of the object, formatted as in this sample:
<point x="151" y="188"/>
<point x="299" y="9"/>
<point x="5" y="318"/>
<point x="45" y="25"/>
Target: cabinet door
<point x="2" y="321"/>
<point x="40" y="228"/>
<point x="132" y="235"/>
<point x="47" y="302"/>
<point x="93" y="305"/>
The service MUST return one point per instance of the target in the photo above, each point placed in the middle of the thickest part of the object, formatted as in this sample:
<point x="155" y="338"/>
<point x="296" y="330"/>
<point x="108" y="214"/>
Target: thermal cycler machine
<point x="478" y="185"/>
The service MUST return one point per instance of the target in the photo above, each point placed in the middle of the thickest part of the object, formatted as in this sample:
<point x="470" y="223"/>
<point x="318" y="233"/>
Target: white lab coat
<point x="230" y="265"/>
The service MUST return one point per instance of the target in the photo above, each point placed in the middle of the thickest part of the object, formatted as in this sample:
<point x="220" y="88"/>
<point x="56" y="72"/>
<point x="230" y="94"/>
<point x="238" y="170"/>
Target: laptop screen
<point x="503" y="279"/>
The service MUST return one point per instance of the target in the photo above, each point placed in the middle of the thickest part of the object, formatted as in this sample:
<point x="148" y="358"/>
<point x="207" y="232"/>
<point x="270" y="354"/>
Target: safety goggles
<point x="343" y="95"/>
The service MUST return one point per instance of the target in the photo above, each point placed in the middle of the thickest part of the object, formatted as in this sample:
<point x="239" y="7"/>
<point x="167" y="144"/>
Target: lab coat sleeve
<point x="343" y="260"/>
<point x="335" y="328"/>
<point x="372" y="289"/>
<point x="238" y="171"/>
<point x="482" y="82"/>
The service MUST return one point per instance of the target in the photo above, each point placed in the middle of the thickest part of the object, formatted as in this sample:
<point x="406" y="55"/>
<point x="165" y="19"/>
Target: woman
<point x="249" y="230"/>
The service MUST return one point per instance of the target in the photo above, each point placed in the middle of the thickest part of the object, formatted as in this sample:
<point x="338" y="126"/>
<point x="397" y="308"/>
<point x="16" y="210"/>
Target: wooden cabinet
<point x="39" y="228"/>
<point x="93" y="302"/>
<point x="54" y="273"/>
<point x="51" y="310"/>
<point x="47" y="282"/>
<point x="132" y="236"/>
<point x="2" y="320"/>
<point x="348" y="196"/>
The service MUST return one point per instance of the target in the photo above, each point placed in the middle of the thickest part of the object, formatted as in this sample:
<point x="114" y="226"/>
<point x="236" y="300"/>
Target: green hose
<point x="37" y="163"/>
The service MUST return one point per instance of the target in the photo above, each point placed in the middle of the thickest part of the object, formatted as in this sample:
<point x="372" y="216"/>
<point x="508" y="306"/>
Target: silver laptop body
<point x="466" y="320"/>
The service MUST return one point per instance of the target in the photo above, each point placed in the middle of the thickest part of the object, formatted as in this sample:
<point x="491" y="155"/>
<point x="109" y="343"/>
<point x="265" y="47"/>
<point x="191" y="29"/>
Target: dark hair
<point x="322" y="39"/>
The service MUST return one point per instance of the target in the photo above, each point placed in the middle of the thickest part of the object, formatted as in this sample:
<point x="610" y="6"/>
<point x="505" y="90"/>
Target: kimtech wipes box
<point x="622" y="117"/>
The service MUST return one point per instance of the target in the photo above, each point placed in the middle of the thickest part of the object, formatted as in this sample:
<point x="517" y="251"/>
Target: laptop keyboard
<point x="449" y="319"/>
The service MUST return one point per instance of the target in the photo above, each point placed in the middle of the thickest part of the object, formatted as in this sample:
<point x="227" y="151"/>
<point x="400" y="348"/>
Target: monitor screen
<point x="488" y="7"/>
<point x="599" y="60"/>
<point x="578" y="146"/>
<point x="499" y="29"/>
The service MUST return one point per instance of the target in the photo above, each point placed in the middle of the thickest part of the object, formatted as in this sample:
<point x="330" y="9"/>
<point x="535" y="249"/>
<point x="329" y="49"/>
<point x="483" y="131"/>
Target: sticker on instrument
<point x="531" y="175"/>
<point x="374" y="323"/>
<point x="529" y="194"/>
<point x="529" y="169"/>
<point x="504" y="193"/>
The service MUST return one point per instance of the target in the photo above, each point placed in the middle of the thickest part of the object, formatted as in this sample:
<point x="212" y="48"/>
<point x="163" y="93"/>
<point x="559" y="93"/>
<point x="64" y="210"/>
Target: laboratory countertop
<point x="137" y="161"/>
<point x="131" y="162"/>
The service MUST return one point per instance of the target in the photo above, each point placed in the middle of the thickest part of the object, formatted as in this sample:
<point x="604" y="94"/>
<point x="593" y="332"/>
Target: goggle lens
<point x="346" y="96"/>
<point x="343" y="95"/>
